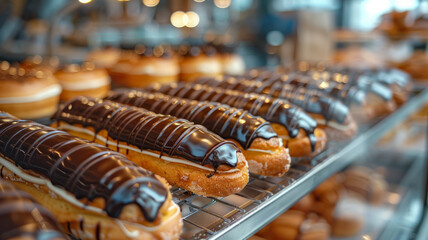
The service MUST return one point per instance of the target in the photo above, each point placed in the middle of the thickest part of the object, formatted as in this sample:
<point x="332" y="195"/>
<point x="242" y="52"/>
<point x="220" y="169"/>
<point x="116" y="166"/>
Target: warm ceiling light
<point x="222" y="3"/>
<point x="179" y="19"/>
<point x="85" y="1"/>
<point x="151" y="3"/>
<point x="193" y="19"/>
<point x="199" y="1"/>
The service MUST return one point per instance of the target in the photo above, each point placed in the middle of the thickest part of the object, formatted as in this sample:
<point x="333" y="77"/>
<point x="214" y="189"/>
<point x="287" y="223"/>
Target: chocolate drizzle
<point x="367" y="81"/>
<point x="86" y="169"/>
<point x="228" y="122"/>
<point x="274" y="110"/>
<point x="22" y="217"/>
<point x="311" y="100"/>
<point x="146" y="130"/>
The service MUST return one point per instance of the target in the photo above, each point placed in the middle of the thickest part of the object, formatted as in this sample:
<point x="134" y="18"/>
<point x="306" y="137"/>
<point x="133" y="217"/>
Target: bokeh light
<point x="193" y="19"/>
<point x="151" y="3"/>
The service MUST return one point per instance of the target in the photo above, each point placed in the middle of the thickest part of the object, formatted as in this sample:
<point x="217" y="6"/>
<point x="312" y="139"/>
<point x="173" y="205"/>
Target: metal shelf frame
<point x="241" y="215"/>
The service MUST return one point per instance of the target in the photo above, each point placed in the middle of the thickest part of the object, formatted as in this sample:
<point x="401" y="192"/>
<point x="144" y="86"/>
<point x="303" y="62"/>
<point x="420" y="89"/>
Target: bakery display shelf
<point x="240" y="215"/>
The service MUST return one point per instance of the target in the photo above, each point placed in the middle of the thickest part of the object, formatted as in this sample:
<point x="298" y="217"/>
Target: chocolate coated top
<point x="83" y="168"/>
<point x="272" y="109"/>
<point x="168" y="135"/>
<point x="22" y="217"/>
<point x="228" y="122"/>
<point x="347" y="78"/>
<point x="311" y="100"/>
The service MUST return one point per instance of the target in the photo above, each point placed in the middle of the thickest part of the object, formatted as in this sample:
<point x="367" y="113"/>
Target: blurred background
<point x="265" y="33"/>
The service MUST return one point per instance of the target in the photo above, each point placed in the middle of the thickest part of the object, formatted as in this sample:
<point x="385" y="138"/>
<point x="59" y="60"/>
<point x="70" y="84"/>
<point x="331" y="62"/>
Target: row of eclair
<point x="204" y="137"/>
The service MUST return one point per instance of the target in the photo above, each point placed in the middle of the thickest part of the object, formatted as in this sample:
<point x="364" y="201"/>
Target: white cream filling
<point x="332" y="124"/>
<point x="51" y="91"/>
<point x="234" y="66"/>
<point x="72" y="199"/>
<point x="87" y="84"/>
<point x="210" y="67"/>
<point x="265" y="151"/>
<point x="65" y="126"/>
<point x="148" y="69"/>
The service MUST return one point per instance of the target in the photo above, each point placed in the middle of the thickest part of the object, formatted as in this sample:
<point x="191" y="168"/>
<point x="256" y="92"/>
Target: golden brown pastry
<point x="185" y="154"/>
<point x="297" y="130"/>
<point x="198" y="62"/>
<point x="296" y="225"/>
<point x="94" y="193"/>
<point x="262" y="148"/>
<point x="105" y="57"/>
<point x="84" y="80"/>
<point x="330" y="114"/>
<point x="144" y="67"/>
<point x="28" y="93"/>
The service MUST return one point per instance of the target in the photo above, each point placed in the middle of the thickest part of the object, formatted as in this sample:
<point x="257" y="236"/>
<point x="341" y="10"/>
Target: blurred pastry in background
<point x="83" y="80"/>
<point x="295" y="224"/>
<point x="366" y="183"/>
<point x="358" y="58"/>
<point x="348" y="217"/>
<point x="28" y="93"/>
<point x="393" y="23"/>
<point x="104" y="57"/>
<point x="23" y="218"/>
<point x="416" y="66"/>
<point x="43" y="63"/>
<point x="232" y="63"/>
<point x="198" y="62"/>
<point x="145" y="66"/>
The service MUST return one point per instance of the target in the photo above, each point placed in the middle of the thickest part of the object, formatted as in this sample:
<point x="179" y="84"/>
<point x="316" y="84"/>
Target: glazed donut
<point x="104" y="57"/>
<point x="330" y="114"/>
<point x="94" y="193"/>
<point x="198" y="62"/>
<point x="28" y="94"/>
<point x="144" y="67"/>
<point x="296" y="225"/>
<point x="185" y="154"/>
<point x="258" y="142"/>
<point x="297" y="130"/>
<point x="23" y="218"/>
<point x="83" y="80"/>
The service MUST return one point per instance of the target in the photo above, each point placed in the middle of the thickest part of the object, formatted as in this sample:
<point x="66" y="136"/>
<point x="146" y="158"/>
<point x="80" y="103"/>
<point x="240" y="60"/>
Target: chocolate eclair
<point x="297" y="130"/>
<point x="329" y="113"/>
<point x="185" y="154"/>
<point x="23" y="218"/>
<point x="366" y="98"/>
<point x="94" y="192"/>
<point x="260" y="145"/>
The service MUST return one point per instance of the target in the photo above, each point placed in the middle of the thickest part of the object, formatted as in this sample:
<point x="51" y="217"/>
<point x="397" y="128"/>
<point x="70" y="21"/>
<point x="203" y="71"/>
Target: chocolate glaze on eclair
<point x="85" y="169"/>
<point x="273" y="110"/>
<point x="228" y="122"/>
<point x="146" y="130"/>
<point x="310" y="100"/>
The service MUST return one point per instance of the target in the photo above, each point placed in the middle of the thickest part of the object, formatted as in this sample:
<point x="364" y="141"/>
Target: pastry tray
<point x="240" y="215"/>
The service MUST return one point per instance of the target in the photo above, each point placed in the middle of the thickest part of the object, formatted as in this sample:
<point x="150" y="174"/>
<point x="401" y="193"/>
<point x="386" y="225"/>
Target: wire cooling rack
<point x="240" y="215"/>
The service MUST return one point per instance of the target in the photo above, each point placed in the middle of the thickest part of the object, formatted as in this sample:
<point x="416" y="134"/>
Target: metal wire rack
<point x="240" y="215"/>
